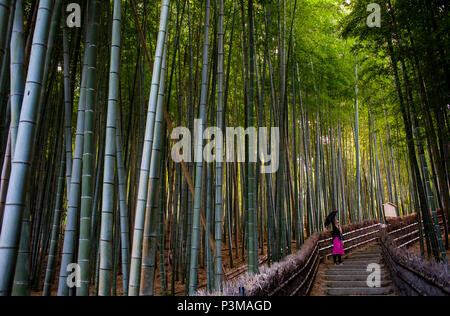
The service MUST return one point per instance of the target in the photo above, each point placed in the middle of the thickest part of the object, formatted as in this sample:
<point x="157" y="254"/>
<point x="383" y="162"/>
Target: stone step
<point x="350" y="277"/>
<point x="360" y="262"/>
<point x="376" y="255"/>
<point x="360" y="291"/>
<point x="354" y="284"/>
<point x="348" y="272"/>
<point x="361" y="259"/>
<point x="345" y="268"/>
<point x="366" y="254"/>
<point x="371" y="249"/>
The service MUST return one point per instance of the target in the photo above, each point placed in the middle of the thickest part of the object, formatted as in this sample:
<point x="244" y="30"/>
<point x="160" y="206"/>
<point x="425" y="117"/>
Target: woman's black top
<point x="336" y="233"/>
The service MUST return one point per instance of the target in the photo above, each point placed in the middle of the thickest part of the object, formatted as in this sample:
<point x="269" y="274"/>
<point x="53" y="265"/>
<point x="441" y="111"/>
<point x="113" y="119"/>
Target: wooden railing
<point x="410" y="234"/>
<point x="300" y="283"/>
<point x="411" y="275"/>
<point x="353" y="240"/>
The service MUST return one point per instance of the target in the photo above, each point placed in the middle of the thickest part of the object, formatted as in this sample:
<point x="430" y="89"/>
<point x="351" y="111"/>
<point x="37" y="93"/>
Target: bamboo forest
<point x="190" y="147"/>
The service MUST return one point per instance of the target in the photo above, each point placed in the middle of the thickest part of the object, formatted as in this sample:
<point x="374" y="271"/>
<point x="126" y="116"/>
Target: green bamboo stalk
<point x="52" y="254"/>
<point x="87" y="181"/>
<point x="13" y="105"/>
<point x="5" y="102"/>
<point x="21" y="285"/>
<point x="4" y="15"/>
<point x="209" y="224"/>
<point x="371" y="175"/>
<point x="136" y="258"/>
<point x="189" y="217"/>
<point x="124" y="220"/>
<point x="388" y="164"/>
<point x="432" y="205"/>
<point x="196" y="228"/>
<point x="15" y="202"/>
<point x="75" y="187"/>
<point x="6" y="24"/>
<point x="4" y="178"/>
<point x="162" y="203"/>
<point x="55" y="20"/>
<point x="380" y="195"/>
<point x="116" y="246"/>
<point x="106" y="232"/>
<point x="150" y="243"/>
<point x="17" y="71"/>
<point x="280" y="119"/>
<point x="218" y="267"/>
<point x="342" y="177"/>
<point x="251" y="166"/>
<point x="67" y="109"/>
<point x="358" y="167"/>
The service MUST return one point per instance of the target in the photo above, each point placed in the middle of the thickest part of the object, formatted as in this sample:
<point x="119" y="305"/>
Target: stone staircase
<point x="350" y="279"/>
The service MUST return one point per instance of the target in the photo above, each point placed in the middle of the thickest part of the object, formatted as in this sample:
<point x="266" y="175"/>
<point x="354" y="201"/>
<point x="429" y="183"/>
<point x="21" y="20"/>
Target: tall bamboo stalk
<point x="358" y="167"/>
<point x="87" y="180"/>
<point x="52" y="254"/>
<point x="124" y="219"/>
<point x="218" y="267"/>
<point x="67" y="109"/>
<point x="152" y="213"/>
<point x="17" y="71"/>
<point x="106" y="232"/>
<point x="251" y="167"/>
<point x="16" y="197"/>
<point x="4" y="15"/>
<point x="196" y="228"/>
<point x="136" y="258"/>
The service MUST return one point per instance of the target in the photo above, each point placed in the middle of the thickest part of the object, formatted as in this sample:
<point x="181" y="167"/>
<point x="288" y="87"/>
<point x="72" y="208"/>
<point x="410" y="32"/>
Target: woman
<point x="338" y="245"/>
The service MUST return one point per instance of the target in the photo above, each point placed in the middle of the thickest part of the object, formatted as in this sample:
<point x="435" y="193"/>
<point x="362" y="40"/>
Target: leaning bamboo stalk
<point x="17" y="71"/>
<point x="6" y="23"/>
<point x="150" y="242"/>
<point x="5" y="103"/>
<point x="4" y="178"/>
<point x="55" y="20"/>
<point x="15" y="201"/>
<point x="21" y="285"/>
<point x="136" y="258"/>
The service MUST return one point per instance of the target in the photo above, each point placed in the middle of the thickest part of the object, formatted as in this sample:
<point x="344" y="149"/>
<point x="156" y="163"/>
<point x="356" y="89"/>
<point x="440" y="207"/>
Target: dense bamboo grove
<point x="88" y="119"/>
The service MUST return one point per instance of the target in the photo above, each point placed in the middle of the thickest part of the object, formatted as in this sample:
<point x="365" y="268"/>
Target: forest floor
<point x="238" y="263"/>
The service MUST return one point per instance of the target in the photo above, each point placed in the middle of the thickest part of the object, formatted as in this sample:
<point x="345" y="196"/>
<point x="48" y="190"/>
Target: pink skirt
<point x="338" y="247"/>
